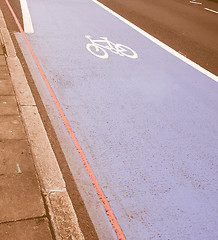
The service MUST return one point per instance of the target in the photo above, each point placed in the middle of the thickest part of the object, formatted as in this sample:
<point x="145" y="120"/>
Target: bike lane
<point x="147" y="126"/>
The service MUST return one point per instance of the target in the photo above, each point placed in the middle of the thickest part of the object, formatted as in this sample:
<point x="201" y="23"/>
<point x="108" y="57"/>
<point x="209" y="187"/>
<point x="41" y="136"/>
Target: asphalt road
<point x="147" y="125"/>
<point x="186" y="27"/>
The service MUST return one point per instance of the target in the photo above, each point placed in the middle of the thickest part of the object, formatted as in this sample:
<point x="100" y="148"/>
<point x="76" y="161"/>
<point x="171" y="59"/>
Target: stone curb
<point x="63" y="217"/>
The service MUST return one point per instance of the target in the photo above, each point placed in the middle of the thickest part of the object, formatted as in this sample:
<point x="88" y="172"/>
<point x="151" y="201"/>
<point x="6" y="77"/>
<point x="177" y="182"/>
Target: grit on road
<point x="146" y="123"/>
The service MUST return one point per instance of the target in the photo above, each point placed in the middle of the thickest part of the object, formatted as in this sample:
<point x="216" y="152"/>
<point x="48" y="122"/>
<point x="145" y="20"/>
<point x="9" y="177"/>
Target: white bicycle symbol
<point x="98" y="49"/>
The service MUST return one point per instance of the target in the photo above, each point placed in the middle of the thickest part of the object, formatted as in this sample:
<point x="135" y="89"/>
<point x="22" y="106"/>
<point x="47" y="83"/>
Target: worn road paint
<point x="18" y="168"/>
<point x="28" y="26"/>
<point x="195" y="2"/>
<point x="210" y="10"/>
<point x="101" y="195"/>
<point x="159" y="43"/>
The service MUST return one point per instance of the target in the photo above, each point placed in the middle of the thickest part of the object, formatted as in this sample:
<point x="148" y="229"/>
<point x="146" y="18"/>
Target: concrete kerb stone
<point x="60" y="208"/>
<point x="7" y="42"/>
<point x="45" y="161"/>
<point x="2" y="22"/>
<point x="20" y="83"/>
<point x="62" y="214"/>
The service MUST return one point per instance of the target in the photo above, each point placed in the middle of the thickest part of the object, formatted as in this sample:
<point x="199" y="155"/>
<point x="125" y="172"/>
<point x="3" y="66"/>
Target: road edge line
<point x="62" y="214"/>
<point x="27" y="20"/>
<point x="159" y="43"/>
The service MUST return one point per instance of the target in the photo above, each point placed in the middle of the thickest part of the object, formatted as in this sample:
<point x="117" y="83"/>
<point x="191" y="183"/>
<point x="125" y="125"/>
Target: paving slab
<point x="20" y="197"/>
<point x="4" y="76"/>
<point x="15" y="155"/>
<point x="11" y="127"/>
<point x="2" y="60"/>
<point x="8" y="105"/>
<point x="1" y="50"/>
<point x="6" y="88"/>
<point x="3" y="69"/>
<point x="35" y="229"/>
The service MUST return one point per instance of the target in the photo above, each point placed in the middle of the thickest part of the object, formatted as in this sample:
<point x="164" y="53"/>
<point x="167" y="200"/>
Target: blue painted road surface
<point x="147" y="122"/>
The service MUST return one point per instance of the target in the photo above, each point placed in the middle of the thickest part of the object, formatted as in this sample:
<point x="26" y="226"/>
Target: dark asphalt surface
<point x="186" y="27"/>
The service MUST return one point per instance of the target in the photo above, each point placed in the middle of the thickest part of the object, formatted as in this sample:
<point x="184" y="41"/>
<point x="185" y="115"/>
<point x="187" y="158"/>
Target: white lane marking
<point x="195" y="2"/>
<point x="210" y="10"/>
<point x="95" y="46"/>
<point x="27" y="21"/>
<point x="159" y="43"/>
<point x="18" y="168"/>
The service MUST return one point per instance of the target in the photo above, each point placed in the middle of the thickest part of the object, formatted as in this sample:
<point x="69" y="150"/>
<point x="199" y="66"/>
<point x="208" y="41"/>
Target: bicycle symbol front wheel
<point x="97" y="51"/>
<point x="126" y="51"/>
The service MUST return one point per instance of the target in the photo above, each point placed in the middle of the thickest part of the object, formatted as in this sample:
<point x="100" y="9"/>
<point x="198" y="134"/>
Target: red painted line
<point x="88" y="168"/>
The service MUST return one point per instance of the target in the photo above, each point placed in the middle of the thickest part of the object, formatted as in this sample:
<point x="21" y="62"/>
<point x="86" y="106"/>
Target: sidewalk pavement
<point x="34" y="203"/>
<point x="22" y="210"/>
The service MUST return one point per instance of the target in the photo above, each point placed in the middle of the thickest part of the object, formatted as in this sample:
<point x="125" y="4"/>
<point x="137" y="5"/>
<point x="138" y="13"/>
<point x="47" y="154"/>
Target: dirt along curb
<point x="62" y="214"/>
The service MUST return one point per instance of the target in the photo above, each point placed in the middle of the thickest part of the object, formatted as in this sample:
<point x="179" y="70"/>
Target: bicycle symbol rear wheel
<point x="97" y="51"/>
<point x="126" y="51"/>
